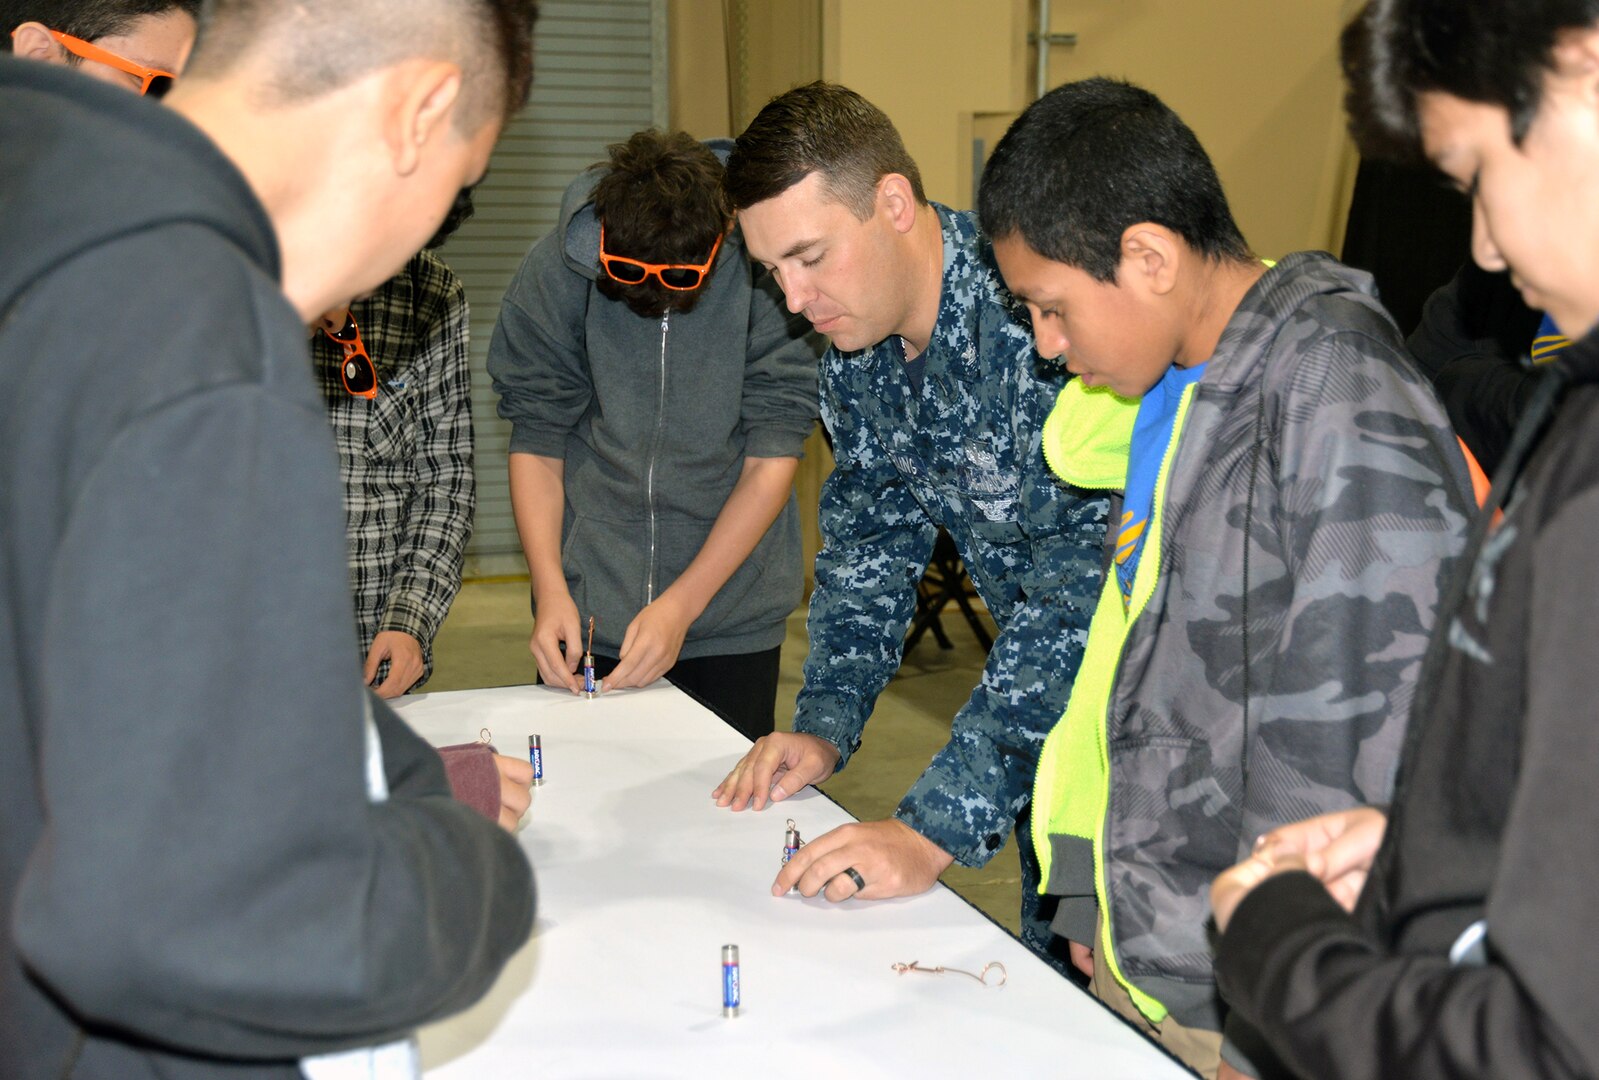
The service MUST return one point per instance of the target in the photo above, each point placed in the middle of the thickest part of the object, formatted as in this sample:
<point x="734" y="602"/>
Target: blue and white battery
<point x="535" y="757"/>
<point x="730" y="987"/>
<point x="590" y="687"/>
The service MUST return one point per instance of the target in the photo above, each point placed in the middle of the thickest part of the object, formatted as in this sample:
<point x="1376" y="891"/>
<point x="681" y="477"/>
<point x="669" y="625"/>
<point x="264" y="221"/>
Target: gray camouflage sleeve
<point x="967" y="800"/>
<point x="1372" y="512"/>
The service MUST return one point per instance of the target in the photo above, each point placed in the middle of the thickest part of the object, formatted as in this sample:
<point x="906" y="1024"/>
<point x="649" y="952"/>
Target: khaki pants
<point x="1200" y="1050"/>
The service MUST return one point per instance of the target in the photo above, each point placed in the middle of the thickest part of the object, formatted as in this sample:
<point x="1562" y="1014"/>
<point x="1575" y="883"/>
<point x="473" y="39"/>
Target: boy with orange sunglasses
<point x="659" y="394"/>
<point x="140" y="44"/>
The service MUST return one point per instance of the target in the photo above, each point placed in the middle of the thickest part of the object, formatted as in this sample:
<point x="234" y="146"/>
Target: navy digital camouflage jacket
<point x="964" y="454"/>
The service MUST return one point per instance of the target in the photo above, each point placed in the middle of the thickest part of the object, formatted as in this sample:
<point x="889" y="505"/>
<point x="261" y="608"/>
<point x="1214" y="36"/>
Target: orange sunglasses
<point x="360" y="377"/>
<point x="152" y="81"/>
<point x="683" y="277"/>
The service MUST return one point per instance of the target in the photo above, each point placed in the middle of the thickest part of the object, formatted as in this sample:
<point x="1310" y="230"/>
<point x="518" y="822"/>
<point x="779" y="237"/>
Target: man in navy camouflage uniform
<point x="936" y="401"/>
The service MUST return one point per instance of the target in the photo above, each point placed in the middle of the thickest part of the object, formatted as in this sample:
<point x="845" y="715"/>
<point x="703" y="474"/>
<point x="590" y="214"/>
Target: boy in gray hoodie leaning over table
<point x="659" y="394"/>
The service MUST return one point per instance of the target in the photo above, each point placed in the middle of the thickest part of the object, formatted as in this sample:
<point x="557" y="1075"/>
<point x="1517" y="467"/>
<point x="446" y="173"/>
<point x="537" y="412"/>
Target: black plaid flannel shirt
<point x="406" y="455"/>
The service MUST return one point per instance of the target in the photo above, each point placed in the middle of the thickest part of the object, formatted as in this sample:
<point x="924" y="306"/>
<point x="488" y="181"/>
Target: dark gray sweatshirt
<point x="654" y="418"/>
<point x="194" y="878"/>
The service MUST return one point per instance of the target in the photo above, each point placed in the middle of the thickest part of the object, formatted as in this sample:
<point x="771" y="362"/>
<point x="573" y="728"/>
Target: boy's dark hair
<point x="1090" y="158"/>
<point x="661" y="200"/>
<point x="1493" y="52"/>
<point x="86" y="19"/>
<point x="824" y="128"/>
<point x="318" y="46"/>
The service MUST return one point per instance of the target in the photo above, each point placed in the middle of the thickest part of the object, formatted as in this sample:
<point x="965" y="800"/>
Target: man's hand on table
<point x="776" y="767"/>
<point x="516" y="789"/>
<point x="889" y="856"/>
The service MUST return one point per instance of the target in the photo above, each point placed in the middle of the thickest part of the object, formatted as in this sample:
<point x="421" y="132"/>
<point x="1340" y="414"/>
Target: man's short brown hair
<point x="822" y="128"/>
<point x="661" y="200"/>
<point x="318" y="46"/>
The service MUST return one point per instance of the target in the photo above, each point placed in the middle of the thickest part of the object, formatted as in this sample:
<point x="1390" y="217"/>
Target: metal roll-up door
<point x="599" y="76"/>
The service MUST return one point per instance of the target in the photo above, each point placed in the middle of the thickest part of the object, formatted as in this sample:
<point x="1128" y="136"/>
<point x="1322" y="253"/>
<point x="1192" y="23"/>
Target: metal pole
<point x="1043" y="49"/>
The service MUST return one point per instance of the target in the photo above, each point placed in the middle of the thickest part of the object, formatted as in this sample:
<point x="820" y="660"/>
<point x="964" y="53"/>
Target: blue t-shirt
<point x="1157" y="413"/>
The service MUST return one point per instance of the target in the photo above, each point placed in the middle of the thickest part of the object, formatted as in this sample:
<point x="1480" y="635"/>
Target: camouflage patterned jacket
<point x="1309" y="507"/>
<point x="965" y="454"/>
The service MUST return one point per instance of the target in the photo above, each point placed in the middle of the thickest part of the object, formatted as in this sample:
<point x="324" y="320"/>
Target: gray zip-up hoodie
<point x="1314" y="504"/>
<point x="654" y="418"/>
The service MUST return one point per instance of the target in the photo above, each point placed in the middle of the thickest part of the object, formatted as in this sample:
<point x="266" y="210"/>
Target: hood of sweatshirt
<point x="580" y="225"/>
<point x="150" y="142"/>
<point x="1303" y="280"/>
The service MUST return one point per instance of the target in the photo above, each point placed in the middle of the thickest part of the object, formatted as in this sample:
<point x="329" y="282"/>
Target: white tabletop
<point x="642" y="880"/>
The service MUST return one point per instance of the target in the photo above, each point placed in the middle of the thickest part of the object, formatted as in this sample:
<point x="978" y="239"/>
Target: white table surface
<point x="642" y="880"/>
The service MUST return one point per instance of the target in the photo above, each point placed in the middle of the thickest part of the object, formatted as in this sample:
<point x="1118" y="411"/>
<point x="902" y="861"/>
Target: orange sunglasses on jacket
<point x="356" y="369"/>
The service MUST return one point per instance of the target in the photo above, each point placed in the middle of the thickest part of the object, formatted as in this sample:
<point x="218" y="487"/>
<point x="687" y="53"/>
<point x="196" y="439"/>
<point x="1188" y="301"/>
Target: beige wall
<point x="1257" y="80"/>
<point x="729" y="57"/>
<point x="931" y="64"/>
<point x="698" y="76"/>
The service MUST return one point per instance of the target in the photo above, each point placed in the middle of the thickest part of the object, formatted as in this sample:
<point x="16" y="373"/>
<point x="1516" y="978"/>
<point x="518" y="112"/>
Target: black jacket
<point x="1494" y="819"/>
<point x="194" y="879"/>
<point x="1472" y="342"/>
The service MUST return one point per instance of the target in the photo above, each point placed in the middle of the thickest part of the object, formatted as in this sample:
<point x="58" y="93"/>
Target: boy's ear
<point x="1150" y="257"/>
<point x="421" y="97"/>
<point x="33" y="40"/>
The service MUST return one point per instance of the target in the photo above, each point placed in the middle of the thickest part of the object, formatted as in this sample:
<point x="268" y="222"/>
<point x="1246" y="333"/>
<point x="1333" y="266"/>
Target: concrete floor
<point x="484" y="643"/>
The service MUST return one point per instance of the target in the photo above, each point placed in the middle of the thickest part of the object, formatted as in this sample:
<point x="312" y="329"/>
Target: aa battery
<point x="730" y="987"/>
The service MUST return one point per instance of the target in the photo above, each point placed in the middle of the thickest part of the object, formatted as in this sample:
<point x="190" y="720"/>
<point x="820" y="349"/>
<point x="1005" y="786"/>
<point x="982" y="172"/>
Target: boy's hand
<point x="1337" y="849"/>
<point x="651" y="644"/>
<point x="404" y="654"/>
<point x="557" y="641"/>
<point x="516" y="789"/>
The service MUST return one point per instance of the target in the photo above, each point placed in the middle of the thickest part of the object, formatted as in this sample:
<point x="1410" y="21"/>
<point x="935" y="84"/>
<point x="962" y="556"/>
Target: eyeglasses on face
<point x="681" y="277"/>
<point x="152" y="81"/>
<point x="359" y="375"/>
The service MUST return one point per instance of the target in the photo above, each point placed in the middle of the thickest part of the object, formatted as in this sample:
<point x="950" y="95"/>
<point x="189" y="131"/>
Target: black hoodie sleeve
<point x="1472" y="336"/>
<point x="1337" y="1005"/>
<point x="213" y="875"/>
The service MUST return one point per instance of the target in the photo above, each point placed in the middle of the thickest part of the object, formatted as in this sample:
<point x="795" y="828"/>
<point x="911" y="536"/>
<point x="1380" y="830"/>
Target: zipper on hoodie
<point x="1101" y="881"/>
<point x="1101" y="887"/>
<point x="649" y="472"/>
